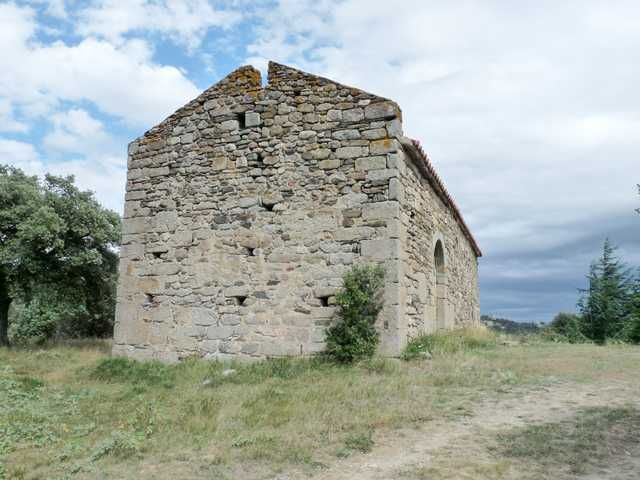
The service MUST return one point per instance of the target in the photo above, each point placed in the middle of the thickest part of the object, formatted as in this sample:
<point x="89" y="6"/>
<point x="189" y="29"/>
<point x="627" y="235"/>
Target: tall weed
<point x="446" y="342"/>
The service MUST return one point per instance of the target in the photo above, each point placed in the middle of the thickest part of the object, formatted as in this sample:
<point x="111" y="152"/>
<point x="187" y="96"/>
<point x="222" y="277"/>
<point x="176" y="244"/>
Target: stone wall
<point x="244" y="209"/>
<point x="428" y="216"/>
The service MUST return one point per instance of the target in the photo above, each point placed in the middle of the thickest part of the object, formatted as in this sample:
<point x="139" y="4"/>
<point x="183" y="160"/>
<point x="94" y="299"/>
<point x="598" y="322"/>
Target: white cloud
<point x="79" y="145"/>
<point x="76" y="130"/>
<point x="593" y="130"/>
<point x="184" y="21"/>
<point x="105" y="175"/>
<point x="120" y="80"/>
<point x="8" y="122"/>
<point x="21" y="155"/>
<point x="529" y="110"/>
<point x="37" y="79"/>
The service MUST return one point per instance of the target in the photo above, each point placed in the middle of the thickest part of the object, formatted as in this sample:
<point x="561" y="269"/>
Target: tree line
<point x="58" y="259"/>
<point x="58" y="273"/>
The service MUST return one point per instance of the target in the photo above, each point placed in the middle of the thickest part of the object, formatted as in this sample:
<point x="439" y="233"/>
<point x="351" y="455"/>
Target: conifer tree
<point x="632" y="321"/>
<point x="604" y="304"/>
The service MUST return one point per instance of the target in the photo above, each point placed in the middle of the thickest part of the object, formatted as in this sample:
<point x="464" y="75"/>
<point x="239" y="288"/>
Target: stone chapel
<point x="246" y="206"/>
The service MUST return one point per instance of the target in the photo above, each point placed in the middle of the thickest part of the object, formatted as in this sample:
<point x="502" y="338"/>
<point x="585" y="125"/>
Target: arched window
<point x="441" y="272"/>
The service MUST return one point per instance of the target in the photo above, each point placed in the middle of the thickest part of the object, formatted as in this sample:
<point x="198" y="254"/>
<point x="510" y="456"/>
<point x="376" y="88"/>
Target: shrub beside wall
<point x="354" y="337"/>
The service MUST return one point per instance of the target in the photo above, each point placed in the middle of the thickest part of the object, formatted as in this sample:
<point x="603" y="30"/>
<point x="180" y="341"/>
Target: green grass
<point x="591" y="436"/>
<point x="361" y="442"/>
<point x="124" y="370"/>
<point x="450" y="342"/>
<point x="71" y="411"/>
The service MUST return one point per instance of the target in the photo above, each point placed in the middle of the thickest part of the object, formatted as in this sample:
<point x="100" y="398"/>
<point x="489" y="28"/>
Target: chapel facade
<point x="245" y="207"/>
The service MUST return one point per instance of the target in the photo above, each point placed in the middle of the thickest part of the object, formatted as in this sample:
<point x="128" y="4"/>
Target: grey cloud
<point x="530" y="112"/>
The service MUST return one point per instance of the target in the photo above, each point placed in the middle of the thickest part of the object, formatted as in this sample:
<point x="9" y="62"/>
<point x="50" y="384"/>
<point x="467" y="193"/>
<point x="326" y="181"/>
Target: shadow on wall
<point x="441" y="286"/>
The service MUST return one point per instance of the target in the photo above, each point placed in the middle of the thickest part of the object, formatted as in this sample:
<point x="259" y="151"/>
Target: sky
<point x="530" y="111"/>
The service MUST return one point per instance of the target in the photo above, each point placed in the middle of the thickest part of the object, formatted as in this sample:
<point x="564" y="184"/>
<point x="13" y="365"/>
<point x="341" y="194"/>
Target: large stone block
<point x="334" y="115"/>
<point x="349" y="134"/>
<point x="375" y="134"/>
<point x="165" y="220"/>
<point x="351" y="152"/>
<point x="329" y="164"/>
<point x="381" y="110"/>
<point x="371" y="163"/>
<point x="382" y="176"/>
<point x="396" y="191"/>
<point x="320" y="153"/>
<point x="381" y="211"/>
<point x="382" y="249"/>
<point x="220" y="163"/>
<point x="252" y="119"/>
<point x="132" y="226"/>
<point x="203" y="316"/>
<point x="230" y="125"/>
<point x="352" y="234"/>
<point x="353" y="115"/>
<point x="387" y="145"/>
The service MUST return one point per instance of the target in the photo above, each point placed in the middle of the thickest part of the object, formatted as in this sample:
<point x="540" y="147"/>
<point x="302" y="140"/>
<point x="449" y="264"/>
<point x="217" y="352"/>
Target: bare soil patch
<point x="460" y="448"/>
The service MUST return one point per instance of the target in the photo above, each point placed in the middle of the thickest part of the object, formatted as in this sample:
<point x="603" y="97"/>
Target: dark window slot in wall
<point x="149" y="300"/>
<point x="240" y="299"/>
<point x="241" y="120"/>
<point x="324" y="301"/>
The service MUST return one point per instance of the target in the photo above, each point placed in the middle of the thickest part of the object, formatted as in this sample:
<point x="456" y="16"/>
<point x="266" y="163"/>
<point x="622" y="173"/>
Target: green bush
<point x="354" y="336"/>
<point x="54" y="312"/>
<point x="450" y="341"/>
<point x="566" y="327"/>
<point x="56" y="242"/>
<point x="35" y="323"/>
<point x="631" y="328"/>
<point x="631" y="331"/>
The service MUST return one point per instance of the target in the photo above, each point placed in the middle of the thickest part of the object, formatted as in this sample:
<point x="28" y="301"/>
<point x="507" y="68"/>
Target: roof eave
<point x="424" y="165"/>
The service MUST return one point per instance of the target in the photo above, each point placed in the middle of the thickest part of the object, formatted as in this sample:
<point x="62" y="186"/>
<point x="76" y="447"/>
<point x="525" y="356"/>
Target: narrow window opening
<point x="157" y="254"/>
<point x="240" y="299"/>
<point x="268" y="206"/>
<point x="241" y="120"/>
<point x="441" y="288"/>
<point x="296" y="93"/>
<point x="251" y="252"/>
<point x="260" y="158"/>
<point x="324" y="301"/>
<point x="149" y="300"/>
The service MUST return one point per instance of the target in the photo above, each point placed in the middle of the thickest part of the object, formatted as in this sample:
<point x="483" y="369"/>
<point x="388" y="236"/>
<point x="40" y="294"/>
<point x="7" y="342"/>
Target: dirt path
<point x="411" y="449"/>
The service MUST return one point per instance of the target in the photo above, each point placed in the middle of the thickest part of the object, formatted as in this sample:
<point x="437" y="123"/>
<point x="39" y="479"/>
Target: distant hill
<point x="509" y="326"/>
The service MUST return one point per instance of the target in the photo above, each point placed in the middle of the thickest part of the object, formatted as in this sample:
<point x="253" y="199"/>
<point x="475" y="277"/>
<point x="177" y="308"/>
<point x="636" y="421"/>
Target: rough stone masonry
<point x="246" y="206"/>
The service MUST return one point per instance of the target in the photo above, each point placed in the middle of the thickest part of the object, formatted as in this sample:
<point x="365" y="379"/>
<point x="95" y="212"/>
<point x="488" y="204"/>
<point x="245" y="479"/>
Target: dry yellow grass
<point x="66" y="412"/>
